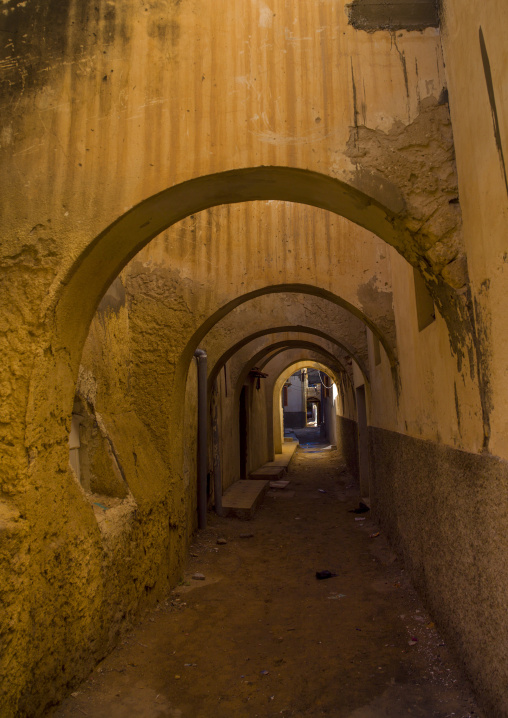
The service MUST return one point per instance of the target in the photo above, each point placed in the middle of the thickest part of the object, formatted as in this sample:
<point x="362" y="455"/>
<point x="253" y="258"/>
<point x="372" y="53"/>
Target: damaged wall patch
<point x="372" y="15"/>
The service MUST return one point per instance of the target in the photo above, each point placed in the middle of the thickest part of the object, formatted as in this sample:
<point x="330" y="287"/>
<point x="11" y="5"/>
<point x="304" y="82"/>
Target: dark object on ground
<point x="320" y="575"/>
<point x="362" y="509"/>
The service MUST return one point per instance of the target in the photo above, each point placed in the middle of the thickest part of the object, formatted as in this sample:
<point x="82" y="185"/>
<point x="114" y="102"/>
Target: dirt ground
<point x="261" y="636"/>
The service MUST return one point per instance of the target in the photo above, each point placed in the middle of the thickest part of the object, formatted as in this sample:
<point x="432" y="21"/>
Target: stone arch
<point x="297" y="344"/>
<point x="287" y="288"/>
<point x="92" y="273"/>
<point x="75" y="295"/>
<point x="276" y="330"/>
<point x="268" y="354"/>
<point x="277" y="388"/>
<point x="282" y="346"/>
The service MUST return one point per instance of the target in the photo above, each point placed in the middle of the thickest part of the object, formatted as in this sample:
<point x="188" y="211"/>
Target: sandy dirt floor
<point x="261" y="636"/>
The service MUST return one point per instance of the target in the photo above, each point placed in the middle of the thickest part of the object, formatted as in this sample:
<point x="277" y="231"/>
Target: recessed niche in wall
<point x="91" y="454"/>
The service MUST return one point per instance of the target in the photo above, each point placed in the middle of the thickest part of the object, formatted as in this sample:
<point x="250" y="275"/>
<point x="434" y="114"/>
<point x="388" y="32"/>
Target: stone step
<point x="243" y="498"/>
<point x="271" y="473"/>
<point x="284" y="459"/>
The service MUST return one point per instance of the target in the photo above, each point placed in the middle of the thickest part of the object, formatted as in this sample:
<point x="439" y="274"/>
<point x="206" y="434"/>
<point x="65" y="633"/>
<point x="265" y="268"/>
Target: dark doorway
<point x="244" y="429"/>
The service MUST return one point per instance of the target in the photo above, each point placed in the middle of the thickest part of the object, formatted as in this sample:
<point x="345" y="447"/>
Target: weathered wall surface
<point x="474" y="40"/>
<point x="187" y="258"/>
<point x="430" y="385"/>
<point x="445" y="510"/>
<point x="123" y="543"/>
<point x="104" y="106"/>
<point x="228" y="252"/>
<point x="459" y="563"/>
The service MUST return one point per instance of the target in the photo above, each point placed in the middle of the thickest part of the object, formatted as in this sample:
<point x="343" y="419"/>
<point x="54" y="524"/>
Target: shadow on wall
<point x="347" y="444"/>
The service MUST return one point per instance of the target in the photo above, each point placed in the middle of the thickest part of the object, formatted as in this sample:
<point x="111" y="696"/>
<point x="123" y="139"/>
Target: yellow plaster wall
<point x="482" y="161"/>
<point x="436" y="401"/>
<point x="104" y="107"/>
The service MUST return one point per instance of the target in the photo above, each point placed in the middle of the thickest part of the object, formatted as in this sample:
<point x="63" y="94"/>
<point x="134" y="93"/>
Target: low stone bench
<point x="271" y="473"/>
<point x="243" y="498"/>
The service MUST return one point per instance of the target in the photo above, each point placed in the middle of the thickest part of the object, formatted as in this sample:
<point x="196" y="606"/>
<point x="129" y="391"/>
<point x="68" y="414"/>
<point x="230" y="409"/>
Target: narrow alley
<point x="261" y="636"/>
<point x="227" y="225"/>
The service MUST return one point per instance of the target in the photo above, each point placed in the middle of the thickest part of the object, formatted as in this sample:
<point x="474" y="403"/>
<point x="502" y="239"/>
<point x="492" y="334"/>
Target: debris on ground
<point x="361" y="509"/>
<point x="279" y="484"/>
<point x="320" y="575"/>
<point x="198" y="577"/>
<point x="322" y="653"/>
<point x="221" y="541"/>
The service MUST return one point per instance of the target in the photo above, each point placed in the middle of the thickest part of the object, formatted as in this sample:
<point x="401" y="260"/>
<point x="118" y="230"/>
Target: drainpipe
<point x="200" y="355"/>
<point x="217" y="478"/>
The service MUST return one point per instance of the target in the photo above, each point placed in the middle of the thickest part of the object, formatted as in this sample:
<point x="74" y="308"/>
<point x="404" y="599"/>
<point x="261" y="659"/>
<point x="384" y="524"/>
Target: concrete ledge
<point x="270" y="472"/>
<point x="284" y="459"/>
<point x="243" y="498"/>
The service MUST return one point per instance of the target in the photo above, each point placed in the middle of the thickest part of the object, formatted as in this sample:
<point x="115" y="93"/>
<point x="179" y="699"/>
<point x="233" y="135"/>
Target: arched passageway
<point x="84" y="287"/>
<point x="92" y="273"/>
<point x="279" y="330"/>
<point x="305" y="191"/>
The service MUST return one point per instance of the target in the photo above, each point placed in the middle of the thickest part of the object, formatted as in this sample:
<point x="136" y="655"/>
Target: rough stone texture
<point x="372" y="15"/>
<point x="417" y="160"/>
<point x="474" y="46"/>
<point x="123" y="536"/>
<point x="445" y="511"/>
<point x="119" y="121"/>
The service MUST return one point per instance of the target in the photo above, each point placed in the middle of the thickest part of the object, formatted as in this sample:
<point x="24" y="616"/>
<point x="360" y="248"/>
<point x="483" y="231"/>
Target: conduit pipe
<point x="217" y="478"/>
<point x="201" y="360"/>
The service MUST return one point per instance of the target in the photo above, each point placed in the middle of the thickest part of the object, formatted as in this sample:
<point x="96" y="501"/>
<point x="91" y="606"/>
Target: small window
<point x="425" y="310"/>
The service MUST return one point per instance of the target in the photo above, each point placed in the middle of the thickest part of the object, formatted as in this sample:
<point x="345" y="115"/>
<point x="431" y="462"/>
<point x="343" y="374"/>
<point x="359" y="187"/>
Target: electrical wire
<point x="323" y="381"/>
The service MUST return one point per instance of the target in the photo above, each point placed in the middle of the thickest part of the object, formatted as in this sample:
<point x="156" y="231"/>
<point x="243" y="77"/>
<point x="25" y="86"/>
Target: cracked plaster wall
<point x="90" y="127"/>
<point x="474" y="42"/>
